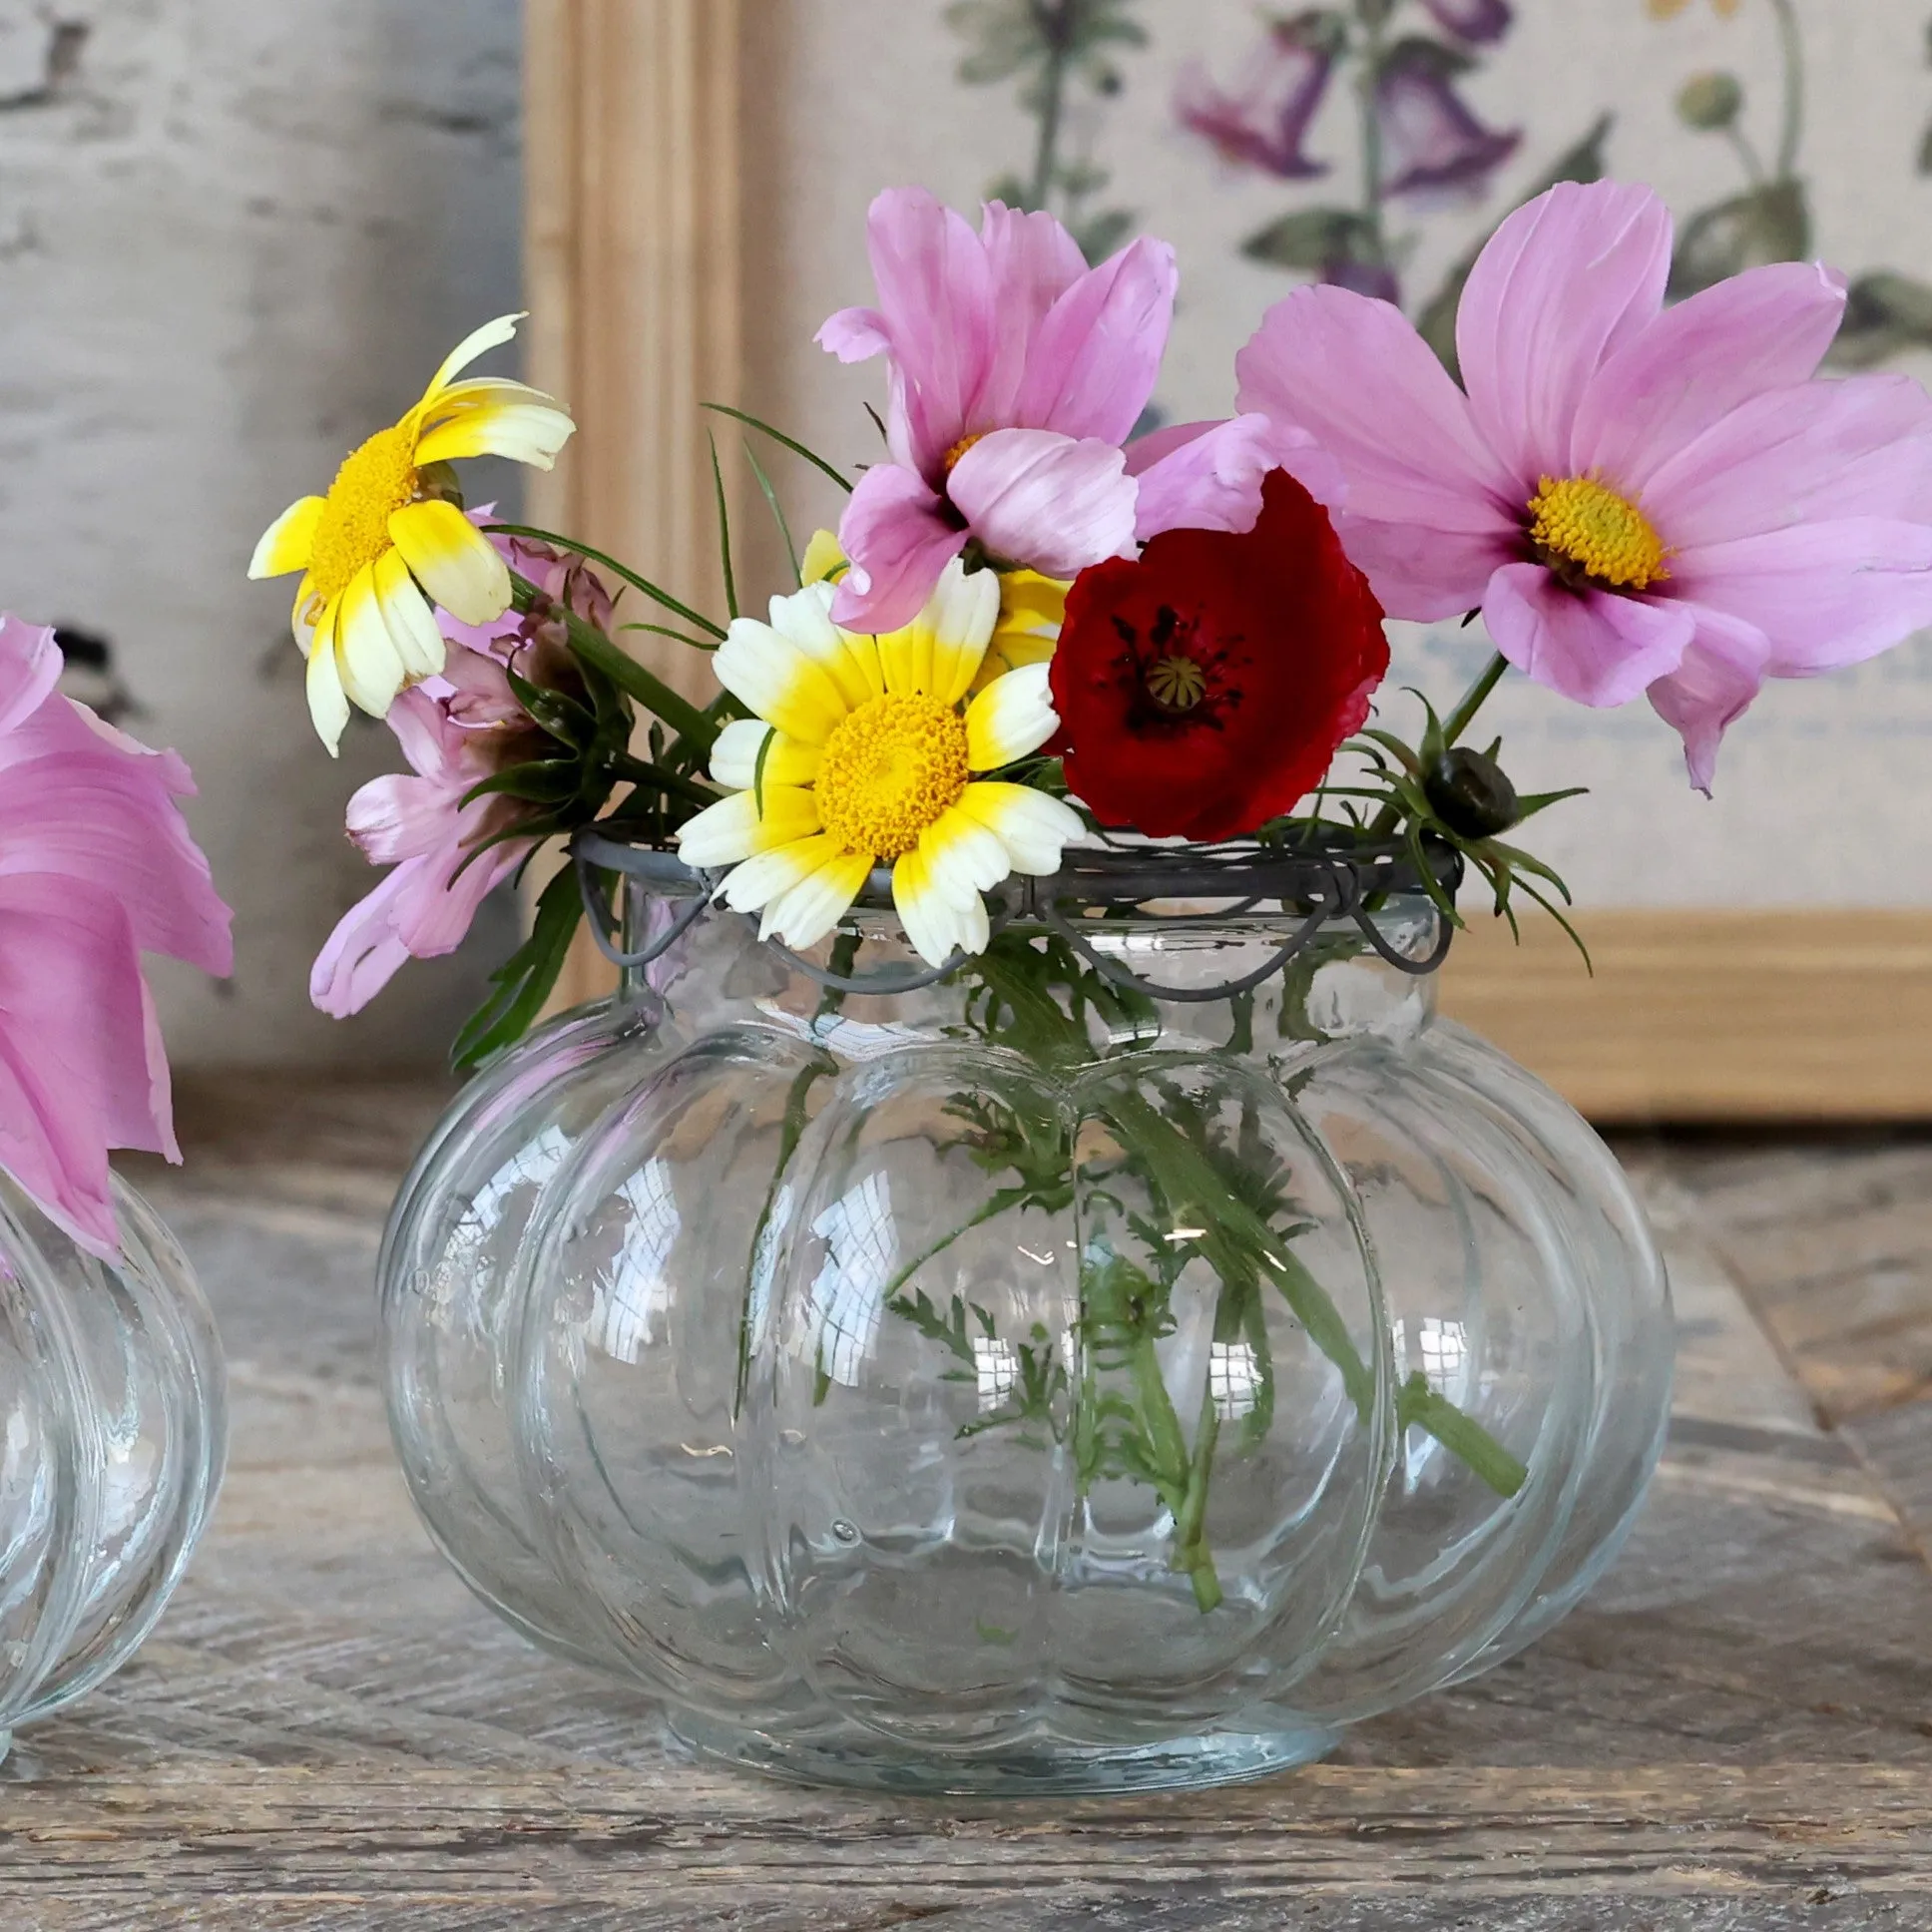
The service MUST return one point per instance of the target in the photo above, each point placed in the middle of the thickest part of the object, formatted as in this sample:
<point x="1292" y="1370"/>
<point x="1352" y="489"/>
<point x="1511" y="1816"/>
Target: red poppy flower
<point x="1205" y="686"/>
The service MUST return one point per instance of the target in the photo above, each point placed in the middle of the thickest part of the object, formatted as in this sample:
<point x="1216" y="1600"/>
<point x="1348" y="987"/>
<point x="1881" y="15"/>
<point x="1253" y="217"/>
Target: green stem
<point x="593" y="649"/>
<point x="641" y="772"/>
<point x="1053" y="19"/>
<point x="1791" y="135"/>
<point x="1741" y="145"/>
<point x="1418" y="1406"/>
<point x="1190" y="1551"/>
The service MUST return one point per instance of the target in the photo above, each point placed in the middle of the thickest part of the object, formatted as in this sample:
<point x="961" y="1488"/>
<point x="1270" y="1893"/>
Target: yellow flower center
<point x="374" y="483"/>
<point x="1177" y="683"/>
<point x="960" y="448"/>
<point x="1587" y="534"/>
<point x="889" y="769"/>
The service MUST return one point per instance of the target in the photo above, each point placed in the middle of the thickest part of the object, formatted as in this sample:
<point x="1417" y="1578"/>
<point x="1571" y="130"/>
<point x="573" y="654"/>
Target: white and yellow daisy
<point x="863" y="752"/>
<point x="382" y="546"/>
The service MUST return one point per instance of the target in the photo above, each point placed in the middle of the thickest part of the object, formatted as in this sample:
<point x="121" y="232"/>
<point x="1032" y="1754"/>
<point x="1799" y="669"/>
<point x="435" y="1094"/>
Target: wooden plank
<point x="1800" y="1015"/>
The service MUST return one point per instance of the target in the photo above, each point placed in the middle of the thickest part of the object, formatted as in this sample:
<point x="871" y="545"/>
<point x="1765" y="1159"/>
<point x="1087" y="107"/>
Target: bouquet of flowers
<point x="1034" y="634"/>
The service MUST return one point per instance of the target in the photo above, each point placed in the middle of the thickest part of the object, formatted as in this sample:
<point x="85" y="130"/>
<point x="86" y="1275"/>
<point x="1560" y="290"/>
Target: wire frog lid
<point x="1334" y="877"/>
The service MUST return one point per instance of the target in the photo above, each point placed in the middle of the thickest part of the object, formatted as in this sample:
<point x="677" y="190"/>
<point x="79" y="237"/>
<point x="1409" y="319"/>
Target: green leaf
<point x="544" y="781"/>
<point x="1314" y="239"/>
<point x="778" y="513"/>
<point x="524" y="982"/>
<point x="660" y="598"/>
<point x="1750" y="230"/>
<point x="791" y="443"/>
<point x="724" y="532"/>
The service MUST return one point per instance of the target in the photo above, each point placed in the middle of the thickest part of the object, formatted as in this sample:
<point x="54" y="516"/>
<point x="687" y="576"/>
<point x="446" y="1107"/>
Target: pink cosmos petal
<point x="935" y="289"/>
<point x="1350" y="371"/>
<point x="1596" y="647"/>
<point x="855" y="334"/>
<point x="1093" y="362"/>
<point x="363" y="955"/>
<point x="1564" y="283"/>
<point x="476" y="690"/>
<point x="1690" y="368"/>
<point x="1825" y="594"/>
<point x="900" y="539"/>
<point x="1207" y="476"/>
<point x="1818" y="452"/>
<point x="1033" y="261"/>
<point x="1721" y="673"/>
<point x="432" y="917"/>
<point x="393" y="818"/>
<point x="1045" y="501"/>
<point x="74" y="1050"/>
<point x="30" y="666"/>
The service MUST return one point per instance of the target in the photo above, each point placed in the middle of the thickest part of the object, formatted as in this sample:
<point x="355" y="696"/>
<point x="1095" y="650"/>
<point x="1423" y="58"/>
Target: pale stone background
<point x="1824" y="793"/>
<point x="235" y="236"/>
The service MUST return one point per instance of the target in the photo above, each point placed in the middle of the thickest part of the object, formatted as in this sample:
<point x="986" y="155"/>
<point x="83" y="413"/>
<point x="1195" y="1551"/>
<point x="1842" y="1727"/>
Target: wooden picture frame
<point x="632" y="248"/>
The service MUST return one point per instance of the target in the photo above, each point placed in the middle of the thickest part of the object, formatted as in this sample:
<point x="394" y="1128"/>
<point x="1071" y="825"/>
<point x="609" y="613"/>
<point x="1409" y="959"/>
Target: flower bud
<point x="1469" y="794"/>
<point x="1710" y="101"/>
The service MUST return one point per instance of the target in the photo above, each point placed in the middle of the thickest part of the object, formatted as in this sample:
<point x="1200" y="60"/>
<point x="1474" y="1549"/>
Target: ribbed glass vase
<point x="1019" y="1383"/>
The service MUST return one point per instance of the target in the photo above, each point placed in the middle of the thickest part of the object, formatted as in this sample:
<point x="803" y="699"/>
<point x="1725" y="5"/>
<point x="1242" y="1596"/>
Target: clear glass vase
<point x="113" y="1432"/>
<point x="1009" y="1384"/>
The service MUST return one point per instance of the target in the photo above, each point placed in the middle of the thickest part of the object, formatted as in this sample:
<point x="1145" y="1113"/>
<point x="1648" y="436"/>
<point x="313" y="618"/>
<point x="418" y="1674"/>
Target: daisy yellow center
<point x="375" y="482"/>
<point x="891" y="769"/>
<point x="1585" y="532"/>
<point x="1177" y="683"/>
<point x="959" y="449"/>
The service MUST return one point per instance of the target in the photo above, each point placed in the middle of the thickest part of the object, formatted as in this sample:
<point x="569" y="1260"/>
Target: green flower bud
<point x="1468" y="792"/>
<point x="1710" y="101"/>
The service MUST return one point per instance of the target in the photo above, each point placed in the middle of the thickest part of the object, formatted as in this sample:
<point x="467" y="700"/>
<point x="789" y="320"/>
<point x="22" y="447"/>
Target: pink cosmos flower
<point x="1638" y="500"/>
<point x="95" y="867"/>
<point x="1017" y="375"/>
<point x="455" y="731"/>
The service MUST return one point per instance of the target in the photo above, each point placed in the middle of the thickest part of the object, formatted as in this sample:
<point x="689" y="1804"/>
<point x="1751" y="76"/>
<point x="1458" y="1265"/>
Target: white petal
<point x="327" y="704"/>
<point x="771" y="675"/>
<point x="804" y="913"/>
<point x="734" y="829"/>
<point x="961" y="615"/>
<point x="1033" y="826"/>
<point x="412" y="627"/>
<point x="767" y="876"/>
<point x="966" y="857"/>
<point x="371" y="668"/>
<point x="492" y="336"/>
<point x="1013" y="716"/>
<point x="853" y="662"/>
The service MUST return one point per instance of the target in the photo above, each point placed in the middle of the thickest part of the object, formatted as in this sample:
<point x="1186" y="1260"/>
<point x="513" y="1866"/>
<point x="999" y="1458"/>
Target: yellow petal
<point x="824" y="558"/>
<point x="735" y="756"/>
<point x="452" y="559"/>
<point x="804" y="913"/>
<point x="965" y="856"/>
<point x="525" y="432"/>
<point x="366" y="658"/>
<point x="1013" y="716"/>
<point x="779" y="681"/>
<point x="327" y="704"/>
<point x="412" y="627"/>
<point x="286" y="542"/>
<point x="1034" y="826"/>
<point x="735" y="829"/>
<point x="805" y="619"/>
<point x="492" y="336"/>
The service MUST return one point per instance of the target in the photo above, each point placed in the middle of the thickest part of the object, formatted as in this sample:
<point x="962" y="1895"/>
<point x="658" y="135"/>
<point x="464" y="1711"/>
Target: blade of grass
<point x="778" y="513"/>
<point x="790" y="442"/>
<point x="661" y="597"/>
<point x="724" y="532"/>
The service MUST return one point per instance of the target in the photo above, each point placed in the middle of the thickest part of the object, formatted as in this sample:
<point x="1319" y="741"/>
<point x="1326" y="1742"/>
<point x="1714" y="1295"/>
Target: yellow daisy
<point x="385" y="546"/>
<point x="864" y="752"/>
<point x="1032" y="609"/>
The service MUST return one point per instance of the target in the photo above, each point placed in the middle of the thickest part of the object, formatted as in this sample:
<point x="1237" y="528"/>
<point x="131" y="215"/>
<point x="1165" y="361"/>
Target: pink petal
<point x="75" y="1042"/>
<point x="435" y="912"/>
<point x="1825" y="594"/>
<point x="29" y="666"/>
<point x="477" y="691"/>
<point x="1564" y="283"/>
<point x="900" y="537"/>
<point x="1033" y="261"/>
<point x="1094" y="360"/>
<point x="1207" y="476"/>
<point x="363" y="955"/>
<point x="1690" y="368"/>
<point x="1046" y="501"/>
<point x="1592" y="646"/>
<point x="1814" y="453"/>
<point x="1721" y="673"/>
<point x="855" y="334"/>
<point x="936" y="308"/>
<point x="1351" y="372"/>
<point x="393" y="818"/>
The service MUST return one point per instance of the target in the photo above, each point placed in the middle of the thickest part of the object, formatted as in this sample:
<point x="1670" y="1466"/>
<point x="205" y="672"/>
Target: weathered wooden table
<point x="326" y="1731"/>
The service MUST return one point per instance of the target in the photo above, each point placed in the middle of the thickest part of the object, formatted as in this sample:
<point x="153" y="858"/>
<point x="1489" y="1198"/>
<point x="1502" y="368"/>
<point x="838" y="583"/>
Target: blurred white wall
<point x="237" y="235"/>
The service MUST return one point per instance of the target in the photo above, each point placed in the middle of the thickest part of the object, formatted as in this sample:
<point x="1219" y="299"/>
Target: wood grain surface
<point x="1736" y="1730"/>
